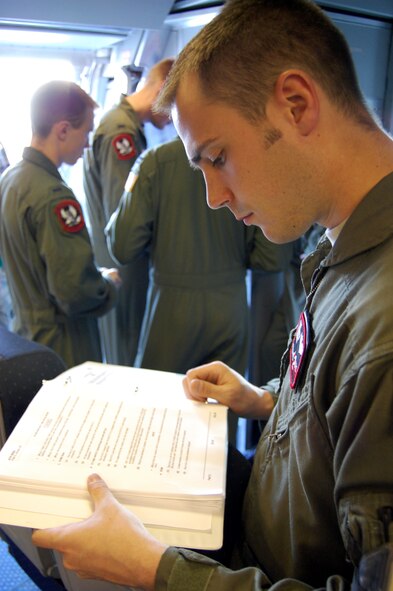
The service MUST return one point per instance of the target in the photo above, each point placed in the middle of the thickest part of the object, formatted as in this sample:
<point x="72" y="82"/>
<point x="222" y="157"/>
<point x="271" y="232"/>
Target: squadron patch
<point x="298" y="350"/>
<point x="124" y="146"/>
<point x="70" y="216"/>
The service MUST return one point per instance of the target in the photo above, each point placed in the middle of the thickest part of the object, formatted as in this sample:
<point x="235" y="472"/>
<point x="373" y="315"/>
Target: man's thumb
<point x="98" y="489"/>
<point x="201" y="389"/>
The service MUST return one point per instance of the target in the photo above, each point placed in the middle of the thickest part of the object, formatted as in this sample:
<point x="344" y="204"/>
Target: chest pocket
<point x="295" y="403"/>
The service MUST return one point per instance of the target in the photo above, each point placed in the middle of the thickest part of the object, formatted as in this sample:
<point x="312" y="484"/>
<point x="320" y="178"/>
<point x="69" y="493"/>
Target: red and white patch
<point x="70" y="216"/>
<point x="298" y="350"/>
<point x="124" y="146"/>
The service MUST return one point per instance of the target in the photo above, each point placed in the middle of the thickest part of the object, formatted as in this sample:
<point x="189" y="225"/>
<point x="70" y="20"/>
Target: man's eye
<point x="218" y="161"/>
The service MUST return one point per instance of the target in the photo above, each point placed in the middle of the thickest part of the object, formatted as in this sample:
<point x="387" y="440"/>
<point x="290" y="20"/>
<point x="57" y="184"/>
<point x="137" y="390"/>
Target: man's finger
<point x="48" y="538"/>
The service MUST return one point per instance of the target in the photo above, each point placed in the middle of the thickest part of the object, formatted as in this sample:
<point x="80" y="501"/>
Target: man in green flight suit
<point x="57" y="290"/>
<point x="118" y="141"/>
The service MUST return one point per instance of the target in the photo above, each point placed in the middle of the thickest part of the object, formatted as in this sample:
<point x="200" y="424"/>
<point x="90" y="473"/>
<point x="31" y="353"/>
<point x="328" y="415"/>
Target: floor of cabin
<point x="15" y="578"/>
<point x="12" y="576"/>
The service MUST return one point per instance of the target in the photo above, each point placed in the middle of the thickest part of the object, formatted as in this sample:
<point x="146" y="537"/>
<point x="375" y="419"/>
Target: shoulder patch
<point x="70" y="215"/>
<point x="124" y="146"/>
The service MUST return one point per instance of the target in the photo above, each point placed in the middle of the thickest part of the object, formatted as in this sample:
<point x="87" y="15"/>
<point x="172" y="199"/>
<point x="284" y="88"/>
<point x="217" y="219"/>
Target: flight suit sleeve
<point x="75" y="284"/>
<point x="264" y="255"/>
<point x="184" y="569"/>
<point x="115" y="155"/>
<point x="130" y="230"/>
<point x="181" y="569"/>
<point x="363" y="440"/>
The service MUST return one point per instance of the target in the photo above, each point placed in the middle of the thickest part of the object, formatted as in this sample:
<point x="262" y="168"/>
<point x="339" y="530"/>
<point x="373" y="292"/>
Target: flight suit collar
<point x="39" y="159"/>
<point x="370" y="224"/>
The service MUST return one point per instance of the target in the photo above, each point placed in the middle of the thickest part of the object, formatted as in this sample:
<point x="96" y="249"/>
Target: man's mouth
<point x="246" y="219"/>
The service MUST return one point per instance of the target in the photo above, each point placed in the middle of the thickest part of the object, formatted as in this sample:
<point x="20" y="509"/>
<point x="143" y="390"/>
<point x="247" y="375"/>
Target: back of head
<point x="59" y="101"/>
<point x="159" y="72"/>
<point x="239" y="55"/>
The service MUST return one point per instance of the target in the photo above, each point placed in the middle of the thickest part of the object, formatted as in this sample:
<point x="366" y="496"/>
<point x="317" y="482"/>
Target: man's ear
<point x="297" y="94"/>
<point x="158" y="86"/>
<point x="61" y="129"/>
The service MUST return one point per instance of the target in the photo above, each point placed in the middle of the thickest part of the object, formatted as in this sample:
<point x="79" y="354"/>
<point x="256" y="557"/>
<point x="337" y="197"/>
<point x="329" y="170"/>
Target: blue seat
<point x="23" y="366"/>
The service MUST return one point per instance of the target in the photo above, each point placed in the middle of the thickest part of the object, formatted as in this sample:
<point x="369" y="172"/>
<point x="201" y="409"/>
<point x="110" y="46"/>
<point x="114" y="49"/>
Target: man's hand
<point x="111" y="545"/>
<point x="216" y="380"/>
<point x="112" y="275"/>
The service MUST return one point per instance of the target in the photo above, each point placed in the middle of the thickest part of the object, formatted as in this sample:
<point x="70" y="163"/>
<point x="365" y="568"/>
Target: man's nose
<point x="217" y="194"/>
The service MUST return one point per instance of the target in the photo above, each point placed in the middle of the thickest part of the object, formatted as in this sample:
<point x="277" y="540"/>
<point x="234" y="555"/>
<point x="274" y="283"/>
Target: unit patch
<point x="124" y="146"/>
<point x="70" y="215"/>
<point x="298" y="350"/>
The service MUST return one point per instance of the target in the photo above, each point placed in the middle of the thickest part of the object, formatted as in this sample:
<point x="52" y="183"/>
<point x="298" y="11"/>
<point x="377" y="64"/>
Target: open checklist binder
<point x="163" y="456"/>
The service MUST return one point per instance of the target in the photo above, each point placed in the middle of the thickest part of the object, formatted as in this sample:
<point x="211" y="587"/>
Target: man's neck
<point x="46" y="147"/>
<point x="367" y="157"/>
<point x="140" y="104"/>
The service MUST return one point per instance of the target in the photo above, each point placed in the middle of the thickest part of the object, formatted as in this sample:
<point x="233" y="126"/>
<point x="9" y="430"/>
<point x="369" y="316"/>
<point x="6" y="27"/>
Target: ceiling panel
<point x="377" y="8"/>
<point x="89" y="14"/>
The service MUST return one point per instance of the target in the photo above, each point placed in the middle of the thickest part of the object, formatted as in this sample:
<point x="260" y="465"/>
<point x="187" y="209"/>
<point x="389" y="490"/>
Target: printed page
<point x="139" y="443"/>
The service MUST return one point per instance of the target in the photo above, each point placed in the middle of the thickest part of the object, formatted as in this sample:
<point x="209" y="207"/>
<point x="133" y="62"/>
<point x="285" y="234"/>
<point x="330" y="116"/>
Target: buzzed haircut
<point x="239" y="55"/>
<point x="59" y="101"/>
<point x="160" y="70"/>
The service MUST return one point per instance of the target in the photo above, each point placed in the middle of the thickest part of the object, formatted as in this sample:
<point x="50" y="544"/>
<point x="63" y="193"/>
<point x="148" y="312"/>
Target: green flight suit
<point x="118" y="141"/>
<point x="56" y="288"/>
<point x="197" y="307"/>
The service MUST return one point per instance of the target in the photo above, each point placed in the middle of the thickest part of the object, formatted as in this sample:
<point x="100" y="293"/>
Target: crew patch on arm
<point x="124" y="146"/>
<point x="69" y="213"/>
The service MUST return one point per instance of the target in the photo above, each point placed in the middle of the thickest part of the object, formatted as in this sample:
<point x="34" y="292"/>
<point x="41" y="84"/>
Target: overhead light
<point x="63" y="39"/>
<point x="24" y="37"/>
